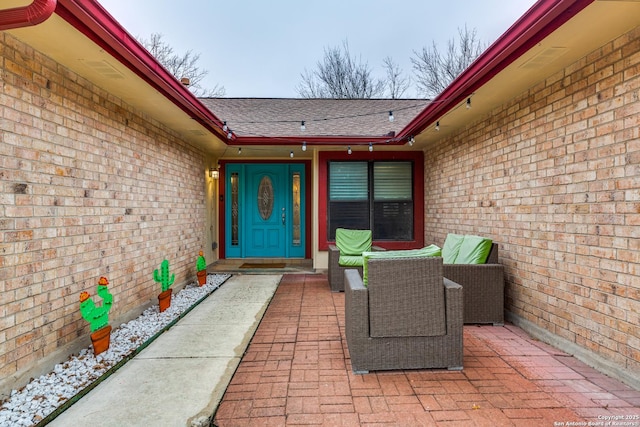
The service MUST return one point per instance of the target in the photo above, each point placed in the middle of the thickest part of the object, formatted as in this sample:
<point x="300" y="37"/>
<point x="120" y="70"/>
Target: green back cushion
<point x="353" y="242"/>
<point x="429" y="251"/>
<point x="473" y="250"/>
<point x="451" y="248"/>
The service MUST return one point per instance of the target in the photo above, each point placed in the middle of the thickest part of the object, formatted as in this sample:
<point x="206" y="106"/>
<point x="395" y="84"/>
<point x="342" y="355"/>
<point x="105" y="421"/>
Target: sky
<point x="257" y="48"/>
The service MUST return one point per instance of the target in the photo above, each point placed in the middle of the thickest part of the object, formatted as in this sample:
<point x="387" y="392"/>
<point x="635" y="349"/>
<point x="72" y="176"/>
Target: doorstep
<point x="235" y="266"/>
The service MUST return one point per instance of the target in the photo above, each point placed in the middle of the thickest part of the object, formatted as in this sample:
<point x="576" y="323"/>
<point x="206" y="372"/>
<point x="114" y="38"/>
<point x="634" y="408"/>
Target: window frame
<point x="417" y="157"/>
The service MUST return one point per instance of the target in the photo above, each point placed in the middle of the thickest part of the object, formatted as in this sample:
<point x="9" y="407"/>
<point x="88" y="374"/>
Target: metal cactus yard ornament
<point x="98" y="316"/>
<point x="166" y="280"/>
<point x="163" y="277"/>
<point x="201" y="267"/>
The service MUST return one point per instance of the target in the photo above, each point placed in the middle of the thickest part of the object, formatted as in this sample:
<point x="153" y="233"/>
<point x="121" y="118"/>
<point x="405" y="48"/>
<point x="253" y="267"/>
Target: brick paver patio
<point x="296" y="371"/>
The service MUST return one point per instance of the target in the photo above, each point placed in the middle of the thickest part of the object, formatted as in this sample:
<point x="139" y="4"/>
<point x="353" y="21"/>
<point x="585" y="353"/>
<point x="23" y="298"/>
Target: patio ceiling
<point x="82" y="36"/>
<point x="586" y="30"/>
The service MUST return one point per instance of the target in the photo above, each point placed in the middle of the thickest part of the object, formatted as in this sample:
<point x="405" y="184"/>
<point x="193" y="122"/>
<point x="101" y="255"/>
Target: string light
<point x="370" y="146"/>
<point x="417" y="105"/>
<point x="410" y="140"/>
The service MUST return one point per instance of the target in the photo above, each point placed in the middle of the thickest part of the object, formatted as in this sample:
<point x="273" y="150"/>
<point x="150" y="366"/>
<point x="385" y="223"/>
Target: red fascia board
<point x="91" y="19"/>
<point x="35" y="13"/>
<point x="315" y="140"/>
<point x="538" y="22"/>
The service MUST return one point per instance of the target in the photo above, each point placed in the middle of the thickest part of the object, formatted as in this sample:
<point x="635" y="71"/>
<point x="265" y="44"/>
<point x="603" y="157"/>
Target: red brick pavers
<point x="296" y="371"/>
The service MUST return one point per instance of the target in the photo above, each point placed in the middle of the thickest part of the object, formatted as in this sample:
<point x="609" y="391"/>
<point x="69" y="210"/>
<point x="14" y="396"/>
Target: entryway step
<point x="262" y="265"/>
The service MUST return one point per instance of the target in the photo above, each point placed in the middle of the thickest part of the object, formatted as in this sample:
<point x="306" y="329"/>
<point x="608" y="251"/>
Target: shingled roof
<point x="281" y="117"/>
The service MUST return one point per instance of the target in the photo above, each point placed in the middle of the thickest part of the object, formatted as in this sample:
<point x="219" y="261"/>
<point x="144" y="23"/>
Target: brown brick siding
<point x="89" y="188"/>
<point x="554" y="177"/>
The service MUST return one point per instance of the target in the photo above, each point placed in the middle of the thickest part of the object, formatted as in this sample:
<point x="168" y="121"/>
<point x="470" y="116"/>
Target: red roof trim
<point x="539" y="21"/>
<point x="96" y="23"/>
<point x="26" y="16"/>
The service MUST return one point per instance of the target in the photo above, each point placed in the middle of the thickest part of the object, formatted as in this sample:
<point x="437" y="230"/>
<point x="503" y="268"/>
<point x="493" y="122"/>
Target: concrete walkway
<point x="180" y="378"/>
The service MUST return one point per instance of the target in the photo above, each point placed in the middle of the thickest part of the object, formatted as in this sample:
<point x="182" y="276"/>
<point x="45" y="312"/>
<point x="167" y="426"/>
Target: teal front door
<point x="265" y="210"/>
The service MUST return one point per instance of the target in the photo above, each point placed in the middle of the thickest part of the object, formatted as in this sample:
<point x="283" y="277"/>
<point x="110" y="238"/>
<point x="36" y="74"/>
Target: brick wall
<point x="89" y="188"/>
<point x="554" y="177"/>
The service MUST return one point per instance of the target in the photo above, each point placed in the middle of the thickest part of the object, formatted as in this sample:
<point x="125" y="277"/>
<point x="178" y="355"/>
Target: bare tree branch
<point x="182" y="66"/>
<point x="340" y="75"/>
<point x="397" y="85"/>
<point x="434" y="70"/>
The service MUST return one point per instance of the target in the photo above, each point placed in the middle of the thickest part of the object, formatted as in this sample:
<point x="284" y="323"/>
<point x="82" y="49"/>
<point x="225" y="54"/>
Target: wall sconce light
<point x="214" y="173"/>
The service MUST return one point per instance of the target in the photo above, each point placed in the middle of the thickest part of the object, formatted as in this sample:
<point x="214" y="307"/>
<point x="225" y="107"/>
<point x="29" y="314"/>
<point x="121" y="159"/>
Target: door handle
<point x="283" y="216"/>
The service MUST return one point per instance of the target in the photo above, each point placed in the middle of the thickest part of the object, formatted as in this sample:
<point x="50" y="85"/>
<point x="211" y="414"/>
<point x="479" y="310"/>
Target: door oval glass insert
<point x="265" y="198"/>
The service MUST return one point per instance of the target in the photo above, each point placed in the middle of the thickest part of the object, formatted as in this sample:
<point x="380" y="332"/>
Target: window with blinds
<point x="376" y="195"/>
<point x="348" y="196"/>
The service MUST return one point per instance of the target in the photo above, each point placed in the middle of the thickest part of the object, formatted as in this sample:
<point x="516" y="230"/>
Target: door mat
<point x="263" y="265"/>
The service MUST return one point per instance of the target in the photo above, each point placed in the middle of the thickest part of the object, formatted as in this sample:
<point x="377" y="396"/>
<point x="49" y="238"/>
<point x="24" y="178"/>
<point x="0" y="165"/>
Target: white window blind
<point x="348" y="181"/>
<point x="392" y="181"/>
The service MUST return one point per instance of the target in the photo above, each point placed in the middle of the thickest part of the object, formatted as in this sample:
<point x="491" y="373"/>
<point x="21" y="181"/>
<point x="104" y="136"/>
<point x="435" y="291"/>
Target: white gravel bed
<point x="31" y="404"/>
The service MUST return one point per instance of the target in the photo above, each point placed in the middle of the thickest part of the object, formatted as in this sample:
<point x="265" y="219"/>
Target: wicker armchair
<point x="483" y="286"/>
<point x="336" y="270"/>
<point x="408" y="317"/>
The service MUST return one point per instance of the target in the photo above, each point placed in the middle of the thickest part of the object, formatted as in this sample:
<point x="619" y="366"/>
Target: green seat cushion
<point x="350" y="260"/>
<point x="353" y="242"/>
<point x="473" y="250"/>
<point x="428" y="251"/>
<point x="451" y="248"/>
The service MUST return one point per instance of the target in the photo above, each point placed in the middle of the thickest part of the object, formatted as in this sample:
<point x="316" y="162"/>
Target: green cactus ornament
<point x="162" y="276"/>
<point x="98" y="317"/>
<point x="201" y="263"/>
<point x="201" y="267"/>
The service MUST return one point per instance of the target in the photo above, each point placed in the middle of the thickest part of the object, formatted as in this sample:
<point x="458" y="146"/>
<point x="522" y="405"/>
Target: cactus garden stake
<point x="165" y="280"/>
<point x="98" y="317"/>
<point x="201" y="267"/>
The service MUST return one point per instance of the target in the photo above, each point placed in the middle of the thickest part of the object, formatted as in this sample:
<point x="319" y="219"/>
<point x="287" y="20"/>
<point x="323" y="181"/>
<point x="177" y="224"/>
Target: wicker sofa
<point x="483" y="286"/>
<point x="409" y="316"/>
